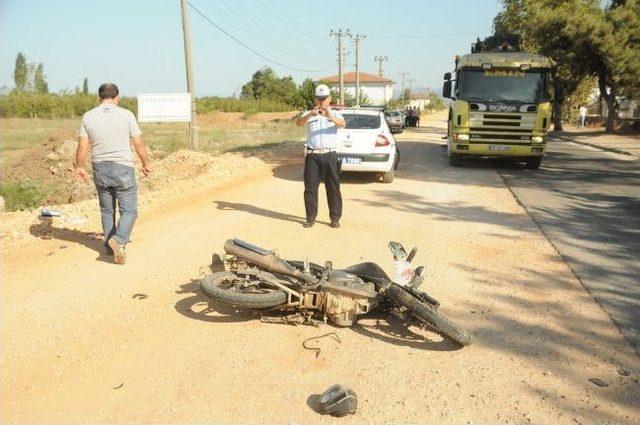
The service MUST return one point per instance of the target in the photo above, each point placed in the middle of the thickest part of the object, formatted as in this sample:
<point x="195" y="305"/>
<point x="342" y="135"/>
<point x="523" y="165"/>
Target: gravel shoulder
<point x="85" y="340"/>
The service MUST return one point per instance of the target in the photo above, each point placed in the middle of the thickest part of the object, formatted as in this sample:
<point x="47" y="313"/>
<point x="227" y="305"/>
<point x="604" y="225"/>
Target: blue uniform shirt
<point x="322" y="133"/>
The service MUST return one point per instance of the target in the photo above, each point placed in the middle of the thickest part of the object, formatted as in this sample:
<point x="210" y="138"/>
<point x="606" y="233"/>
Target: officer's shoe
<point x="335" y="224"/>
<point x="308" y="223"/>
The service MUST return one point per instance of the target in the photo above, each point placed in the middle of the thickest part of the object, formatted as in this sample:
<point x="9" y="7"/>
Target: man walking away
<point x="582" y="114"/>
<point x="321" y="159"/>
<point x="111" y="130"/>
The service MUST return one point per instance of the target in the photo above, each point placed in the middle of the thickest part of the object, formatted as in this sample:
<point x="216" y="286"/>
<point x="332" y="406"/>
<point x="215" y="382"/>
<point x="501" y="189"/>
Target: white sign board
<point x="164" y="107"/>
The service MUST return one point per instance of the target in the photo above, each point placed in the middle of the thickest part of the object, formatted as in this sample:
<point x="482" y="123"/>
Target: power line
<point x="268" y="46"/>
<point x="425" y="36"/>
<point x="294" y="23"/>
<point x="246" y="46"/>
<point x="270" y="31"/>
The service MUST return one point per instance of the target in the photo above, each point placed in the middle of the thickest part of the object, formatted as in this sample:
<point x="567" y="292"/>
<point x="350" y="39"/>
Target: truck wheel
<point x="533" y="163"/>
<point x="455" y="160"/>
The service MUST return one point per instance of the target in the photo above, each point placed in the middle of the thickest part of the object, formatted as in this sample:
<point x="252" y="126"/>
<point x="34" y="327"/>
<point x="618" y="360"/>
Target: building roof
<point x="350" y="77"/>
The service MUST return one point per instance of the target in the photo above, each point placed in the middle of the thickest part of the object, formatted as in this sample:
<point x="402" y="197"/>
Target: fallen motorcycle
<point x="255" y="278"/>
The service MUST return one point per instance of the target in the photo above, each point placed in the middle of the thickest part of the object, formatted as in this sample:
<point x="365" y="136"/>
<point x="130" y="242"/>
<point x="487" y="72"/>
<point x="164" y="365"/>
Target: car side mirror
<point x="447" y="76"/>
<point x="446" y="90"/>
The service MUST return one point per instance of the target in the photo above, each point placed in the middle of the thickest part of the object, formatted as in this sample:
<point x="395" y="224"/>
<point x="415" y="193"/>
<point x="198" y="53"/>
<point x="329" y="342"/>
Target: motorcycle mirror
<point x="398" y="250"/>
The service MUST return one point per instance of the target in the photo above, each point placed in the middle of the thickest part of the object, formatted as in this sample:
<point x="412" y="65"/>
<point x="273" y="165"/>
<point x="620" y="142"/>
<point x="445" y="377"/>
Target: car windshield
<point x="362" y="121"/>
<point x="495" y="85"/>
<point x="392" y="113"/>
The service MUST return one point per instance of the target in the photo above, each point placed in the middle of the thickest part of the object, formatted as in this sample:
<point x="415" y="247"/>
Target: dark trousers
<point x="323" y="167"/>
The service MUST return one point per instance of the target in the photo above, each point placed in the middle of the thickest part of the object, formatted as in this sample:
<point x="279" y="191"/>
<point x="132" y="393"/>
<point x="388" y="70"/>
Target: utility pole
<point x="357" y="40"/>
<point x="186" y="33"/>
<point x="339" y="34"/>
<point x="403" y="75"/>
<point x="411" y="81"/>
<point x="380" y="59"/>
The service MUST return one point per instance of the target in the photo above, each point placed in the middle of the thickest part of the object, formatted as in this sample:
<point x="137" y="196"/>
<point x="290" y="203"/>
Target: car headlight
<point x="537" y="139"/>
<point x="462" y="137"/>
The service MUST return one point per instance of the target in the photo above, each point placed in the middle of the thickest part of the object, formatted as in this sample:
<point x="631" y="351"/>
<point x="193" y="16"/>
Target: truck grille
<point x="502" y="128"/>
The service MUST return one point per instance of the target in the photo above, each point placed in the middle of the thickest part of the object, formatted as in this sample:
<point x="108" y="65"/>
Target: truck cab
<point x="501" y="106"/>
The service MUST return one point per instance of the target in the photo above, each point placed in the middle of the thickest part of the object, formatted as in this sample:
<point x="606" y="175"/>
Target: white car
<point x="367" y="144"/>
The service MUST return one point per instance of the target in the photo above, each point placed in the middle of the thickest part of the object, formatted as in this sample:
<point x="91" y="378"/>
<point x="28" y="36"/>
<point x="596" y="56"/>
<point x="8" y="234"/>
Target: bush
<point x="64" y="105"/>
<point x="70" y="105"/>
<point x="23" y="195"/>
<point x="248" y="106"/>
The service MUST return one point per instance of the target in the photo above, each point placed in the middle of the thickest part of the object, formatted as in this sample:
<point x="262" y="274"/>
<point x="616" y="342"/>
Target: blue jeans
<point x="116" y="182"/>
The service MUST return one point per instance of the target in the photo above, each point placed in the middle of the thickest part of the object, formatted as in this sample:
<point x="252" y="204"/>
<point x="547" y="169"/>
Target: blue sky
<point x="138" y="43"/>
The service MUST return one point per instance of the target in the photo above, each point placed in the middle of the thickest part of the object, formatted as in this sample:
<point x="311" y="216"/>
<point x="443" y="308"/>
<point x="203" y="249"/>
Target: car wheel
<point x="397" y="162"/>
<point x="533" y="163"/>
<point x="455" y="160"/>
<point x="388" y="176"/>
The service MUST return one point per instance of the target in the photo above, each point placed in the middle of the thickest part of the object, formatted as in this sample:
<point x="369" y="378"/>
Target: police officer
<point x="321" y="159"/>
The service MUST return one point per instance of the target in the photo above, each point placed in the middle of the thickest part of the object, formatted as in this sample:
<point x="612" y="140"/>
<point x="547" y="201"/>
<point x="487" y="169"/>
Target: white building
<point x="379" y="90"/>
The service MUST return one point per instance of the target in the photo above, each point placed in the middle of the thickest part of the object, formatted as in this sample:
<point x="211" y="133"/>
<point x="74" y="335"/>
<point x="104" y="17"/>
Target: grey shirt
<point x="110" y="129"/>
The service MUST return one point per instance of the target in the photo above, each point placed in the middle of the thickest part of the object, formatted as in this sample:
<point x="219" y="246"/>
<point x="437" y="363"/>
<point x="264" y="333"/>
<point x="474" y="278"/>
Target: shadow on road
<point x="45" y="230"/>
<point x="392" y="330"/>
<point x="255" y="210"/>
<point x="557" y="332"/>
<point x="200" y="307"/>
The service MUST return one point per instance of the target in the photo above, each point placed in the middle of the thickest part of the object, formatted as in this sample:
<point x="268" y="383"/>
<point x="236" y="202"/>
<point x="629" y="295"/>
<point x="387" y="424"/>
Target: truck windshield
<point x="496" y="85"/>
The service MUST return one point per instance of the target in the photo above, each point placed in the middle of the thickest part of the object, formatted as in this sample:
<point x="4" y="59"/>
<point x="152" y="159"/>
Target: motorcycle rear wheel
<point x="426" y="313"/>
<point x="220" y="287"/>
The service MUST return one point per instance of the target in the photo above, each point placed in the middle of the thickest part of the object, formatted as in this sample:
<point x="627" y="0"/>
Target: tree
<point x="266" y="85"/>
<point x="39" y="82"/>
<point x="584" y="40"/>
<point x="85" y="86"/>
<point x="20" y="72"/>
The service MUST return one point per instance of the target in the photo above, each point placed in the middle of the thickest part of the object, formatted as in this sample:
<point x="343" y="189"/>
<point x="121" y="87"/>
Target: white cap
<point x="322" y="91"/>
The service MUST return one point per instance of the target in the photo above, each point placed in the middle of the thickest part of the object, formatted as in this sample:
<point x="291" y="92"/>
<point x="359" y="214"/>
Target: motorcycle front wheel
<point x="229" y="288"/>
<point x="427" y="314"/>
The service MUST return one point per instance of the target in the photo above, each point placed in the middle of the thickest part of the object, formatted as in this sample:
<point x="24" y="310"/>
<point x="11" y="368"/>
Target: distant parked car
<point x="367" y="144"/>
<point x="395" y="120"/>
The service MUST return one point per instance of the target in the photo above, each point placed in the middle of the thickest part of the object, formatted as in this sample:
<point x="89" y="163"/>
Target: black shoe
<point x="308" y="223"/>
<point x="335" y="224"/>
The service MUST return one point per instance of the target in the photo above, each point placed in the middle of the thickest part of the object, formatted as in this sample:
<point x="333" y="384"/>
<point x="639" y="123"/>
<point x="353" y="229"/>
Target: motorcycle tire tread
<point x="210" y="285"/>
<point x="426" y="313"/>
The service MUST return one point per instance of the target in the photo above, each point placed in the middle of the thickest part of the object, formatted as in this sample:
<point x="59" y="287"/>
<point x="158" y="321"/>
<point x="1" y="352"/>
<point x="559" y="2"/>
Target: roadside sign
<point x="164" y="107"/>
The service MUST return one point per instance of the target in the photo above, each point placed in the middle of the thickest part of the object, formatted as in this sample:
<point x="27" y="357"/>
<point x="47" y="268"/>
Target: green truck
<point x="501" y="106"/>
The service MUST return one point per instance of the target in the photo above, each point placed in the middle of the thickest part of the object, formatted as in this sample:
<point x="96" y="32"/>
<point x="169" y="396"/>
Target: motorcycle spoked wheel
<point x="427" y="314"/>
<point x="232" y="289"/>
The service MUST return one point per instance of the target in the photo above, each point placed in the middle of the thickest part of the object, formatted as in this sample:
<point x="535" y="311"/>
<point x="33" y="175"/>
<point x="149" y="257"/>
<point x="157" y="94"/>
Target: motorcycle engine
<point x="347" y="296"/>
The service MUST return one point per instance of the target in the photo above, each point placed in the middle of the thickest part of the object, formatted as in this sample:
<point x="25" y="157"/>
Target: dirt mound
<point x="227" y="118"/>
<point x="272" y="116"/>
<point x="220" y="118"/>
<point x="180" y="165"/>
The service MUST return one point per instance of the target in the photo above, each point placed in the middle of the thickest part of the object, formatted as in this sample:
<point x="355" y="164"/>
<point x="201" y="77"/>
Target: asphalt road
<point x="587" y="202"/>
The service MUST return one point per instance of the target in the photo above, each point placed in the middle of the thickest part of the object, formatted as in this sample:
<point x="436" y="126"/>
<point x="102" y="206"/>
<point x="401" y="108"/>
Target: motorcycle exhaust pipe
<point x="264" y="259"/>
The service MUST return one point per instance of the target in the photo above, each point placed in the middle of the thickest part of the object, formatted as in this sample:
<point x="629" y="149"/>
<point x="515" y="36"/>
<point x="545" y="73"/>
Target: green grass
<point x="22" y="195"/>
<point x="20" y="135"/>
<point x="25" y="133"/>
